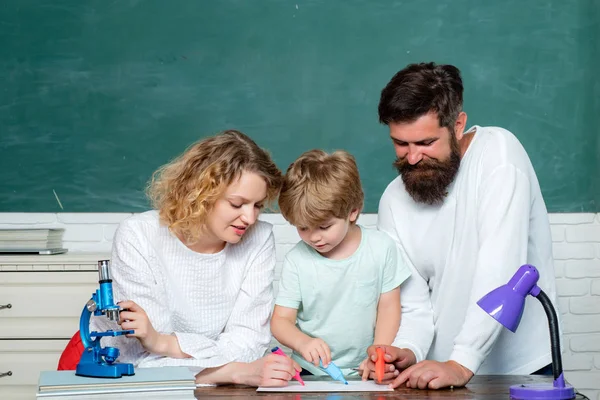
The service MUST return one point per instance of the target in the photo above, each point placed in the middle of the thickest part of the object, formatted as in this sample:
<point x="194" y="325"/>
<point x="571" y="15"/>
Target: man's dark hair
<point x="422" y="88"/>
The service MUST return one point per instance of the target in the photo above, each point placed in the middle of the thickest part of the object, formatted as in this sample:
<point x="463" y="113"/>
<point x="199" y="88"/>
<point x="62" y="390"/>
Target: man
<point x="467" y="211"/>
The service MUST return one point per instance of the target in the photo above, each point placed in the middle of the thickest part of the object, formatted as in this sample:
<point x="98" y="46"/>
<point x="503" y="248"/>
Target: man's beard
<point x="428" y="180"/>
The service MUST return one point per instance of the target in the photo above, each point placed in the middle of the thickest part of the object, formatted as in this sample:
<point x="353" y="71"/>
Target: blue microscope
<point x="96" y="361"/>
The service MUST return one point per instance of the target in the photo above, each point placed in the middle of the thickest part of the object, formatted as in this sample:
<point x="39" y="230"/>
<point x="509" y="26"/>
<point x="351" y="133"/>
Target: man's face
<point x="427" y="157"/>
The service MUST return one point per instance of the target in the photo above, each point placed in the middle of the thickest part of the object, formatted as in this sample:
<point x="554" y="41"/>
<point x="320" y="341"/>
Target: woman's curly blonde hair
<point x="185" y="190"/>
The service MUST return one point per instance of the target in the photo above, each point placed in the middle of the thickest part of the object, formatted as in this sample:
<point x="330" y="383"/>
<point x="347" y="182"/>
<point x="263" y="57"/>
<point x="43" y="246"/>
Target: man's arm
<point x="416" y="329"/>
<point x="503" y="233"/>
<point x="503" y="229"/>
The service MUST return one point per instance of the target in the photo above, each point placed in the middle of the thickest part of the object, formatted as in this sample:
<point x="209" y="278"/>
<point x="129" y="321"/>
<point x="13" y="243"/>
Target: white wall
<point x="576" y="252"/>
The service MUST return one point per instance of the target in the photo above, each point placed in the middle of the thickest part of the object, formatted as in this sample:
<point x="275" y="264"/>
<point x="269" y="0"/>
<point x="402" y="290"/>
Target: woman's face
<point x="238" y="208"/>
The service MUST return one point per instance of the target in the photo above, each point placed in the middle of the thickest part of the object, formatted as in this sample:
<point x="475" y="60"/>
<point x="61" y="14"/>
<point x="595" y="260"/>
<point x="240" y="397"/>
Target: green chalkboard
<point x="96" y="94"/>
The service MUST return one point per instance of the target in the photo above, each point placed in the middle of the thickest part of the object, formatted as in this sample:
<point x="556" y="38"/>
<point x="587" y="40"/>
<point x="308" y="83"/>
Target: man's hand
<point x="434" y="375"/>
<point x="395" y="360"/>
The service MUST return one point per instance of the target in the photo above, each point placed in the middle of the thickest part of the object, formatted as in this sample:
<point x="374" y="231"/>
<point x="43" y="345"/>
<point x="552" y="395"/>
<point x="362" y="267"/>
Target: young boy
<point x="340" y="286"/>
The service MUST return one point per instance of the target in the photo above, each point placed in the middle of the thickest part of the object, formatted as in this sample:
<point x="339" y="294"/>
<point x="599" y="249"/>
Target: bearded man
<point x="467" y="212"/>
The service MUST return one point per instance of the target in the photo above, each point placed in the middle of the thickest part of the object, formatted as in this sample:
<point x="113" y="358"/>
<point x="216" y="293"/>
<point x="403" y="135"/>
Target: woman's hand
<point x="272" y="370"/>
<point x="135" y="318"/>
<point x="314" y="349"/>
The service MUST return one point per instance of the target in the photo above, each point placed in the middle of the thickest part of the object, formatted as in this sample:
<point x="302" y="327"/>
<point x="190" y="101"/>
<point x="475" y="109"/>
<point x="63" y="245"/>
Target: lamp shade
<point x="506" y="303"/>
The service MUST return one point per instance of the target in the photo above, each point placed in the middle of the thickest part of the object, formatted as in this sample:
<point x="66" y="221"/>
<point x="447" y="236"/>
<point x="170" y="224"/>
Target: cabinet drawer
<point x="26" y="358"/>
<point x="18" y="392"/>
<point x="44" y="304"/>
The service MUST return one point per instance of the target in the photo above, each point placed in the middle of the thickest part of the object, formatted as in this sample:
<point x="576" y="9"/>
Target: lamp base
<point x="541" y="391"/>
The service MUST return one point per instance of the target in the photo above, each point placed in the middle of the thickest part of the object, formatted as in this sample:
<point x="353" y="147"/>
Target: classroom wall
<point x="97" y="94"/>
<point x="576" y="248"/>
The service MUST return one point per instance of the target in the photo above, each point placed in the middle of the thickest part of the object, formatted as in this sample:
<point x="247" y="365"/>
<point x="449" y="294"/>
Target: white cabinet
<point x="46" y="295"/>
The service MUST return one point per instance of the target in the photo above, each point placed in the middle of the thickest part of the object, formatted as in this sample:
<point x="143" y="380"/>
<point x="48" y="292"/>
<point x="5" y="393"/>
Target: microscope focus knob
<point x="110" y="354"/>
<point x="91" y="305"/>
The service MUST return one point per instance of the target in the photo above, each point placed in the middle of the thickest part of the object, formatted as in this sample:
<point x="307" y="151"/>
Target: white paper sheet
<point x="328" y="386"/>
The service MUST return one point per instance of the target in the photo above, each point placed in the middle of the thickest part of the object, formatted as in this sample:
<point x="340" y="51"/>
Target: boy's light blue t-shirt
<point x="337" y="299"/>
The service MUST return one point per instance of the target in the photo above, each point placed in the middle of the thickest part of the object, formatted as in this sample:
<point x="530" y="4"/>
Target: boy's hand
<point x="364" y="370"/>
<point x="314" y="349"/>
<point x="390" y="372"/>
<point x="396" y="360"/>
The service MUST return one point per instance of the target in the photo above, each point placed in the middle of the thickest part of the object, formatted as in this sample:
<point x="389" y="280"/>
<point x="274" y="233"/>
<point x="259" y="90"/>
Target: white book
<point x="30" y="240"/>
<point x="31" y="234"/>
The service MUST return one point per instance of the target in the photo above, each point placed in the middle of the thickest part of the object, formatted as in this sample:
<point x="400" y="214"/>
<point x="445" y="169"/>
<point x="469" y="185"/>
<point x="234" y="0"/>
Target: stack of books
<point x="165" y="382"/>
<point x="41" y="241"/>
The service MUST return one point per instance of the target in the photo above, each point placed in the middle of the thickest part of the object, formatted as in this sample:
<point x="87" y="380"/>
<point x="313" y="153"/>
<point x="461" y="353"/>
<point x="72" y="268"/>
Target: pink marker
<point x="277" y="350"/>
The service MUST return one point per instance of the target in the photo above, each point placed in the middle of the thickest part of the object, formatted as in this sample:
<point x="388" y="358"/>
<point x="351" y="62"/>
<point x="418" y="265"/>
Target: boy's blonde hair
<point x="185" y="190"/>
<point x="319" y="186"/>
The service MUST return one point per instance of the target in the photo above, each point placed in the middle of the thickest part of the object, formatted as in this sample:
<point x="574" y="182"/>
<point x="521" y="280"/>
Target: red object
<point x="71" y="354"/>
<point x="379" y="364"/>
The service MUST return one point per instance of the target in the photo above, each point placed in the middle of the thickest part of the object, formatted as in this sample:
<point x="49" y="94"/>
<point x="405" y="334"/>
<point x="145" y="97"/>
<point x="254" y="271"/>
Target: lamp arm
<point x="557" y="369"/>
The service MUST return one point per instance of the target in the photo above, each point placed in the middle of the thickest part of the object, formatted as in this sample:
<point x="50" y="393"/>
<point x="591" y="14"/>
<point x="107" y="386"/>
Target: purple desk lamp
<point x="505" y="304"/>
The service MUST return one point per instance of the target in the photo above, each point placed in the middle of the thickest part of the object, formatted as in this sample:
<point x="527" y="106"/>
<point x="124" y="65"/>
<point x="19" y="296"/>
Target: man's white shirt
<point x="493" y="221"/>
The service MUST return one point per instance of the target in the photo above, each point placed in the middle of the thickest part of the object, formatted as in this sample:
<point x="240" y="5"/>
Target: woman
<point x="195" y="275"/>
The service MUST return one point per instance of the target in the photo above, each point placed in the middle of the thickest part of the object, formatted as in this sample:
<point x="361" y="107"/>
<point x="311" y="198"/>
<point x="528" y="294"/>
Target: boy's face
<point x="327" y="238"/>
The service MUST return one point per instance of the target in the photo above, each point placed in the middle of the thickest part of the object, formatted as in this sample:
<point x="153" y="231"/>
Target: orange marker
<point x="379" y="364"/>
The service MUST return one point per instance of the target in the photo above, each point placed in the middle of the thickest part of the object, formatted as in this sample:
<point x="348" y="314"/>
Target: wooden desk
<point x="484" y="387"/>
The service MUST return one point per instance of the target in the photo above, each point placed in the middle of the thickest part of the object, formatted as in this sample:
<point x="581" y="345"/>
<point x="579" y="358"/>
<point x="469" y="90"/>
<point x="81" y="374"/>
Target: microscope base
<point x="104" y="370"/>
<point x="87" y="367"/>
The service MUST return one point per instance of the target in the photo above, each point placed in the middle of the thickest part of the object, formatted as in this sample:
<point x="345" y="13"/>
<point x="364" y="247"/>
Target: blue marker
<point x="334" y="371"/>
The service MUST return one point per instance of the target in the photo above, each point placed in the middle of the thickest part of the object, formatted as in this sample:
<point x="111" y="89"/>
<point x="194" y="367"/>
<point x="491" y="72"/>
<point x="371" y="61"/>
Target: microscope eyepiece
<point x="104" y="271"/>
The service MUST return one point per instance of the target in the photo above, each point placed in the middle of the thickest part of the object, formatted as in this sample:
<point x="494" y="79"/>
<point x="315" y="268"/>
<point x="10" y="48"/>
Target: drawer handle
<point x="9" y="373"/>
<point x="2" y="307"/>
